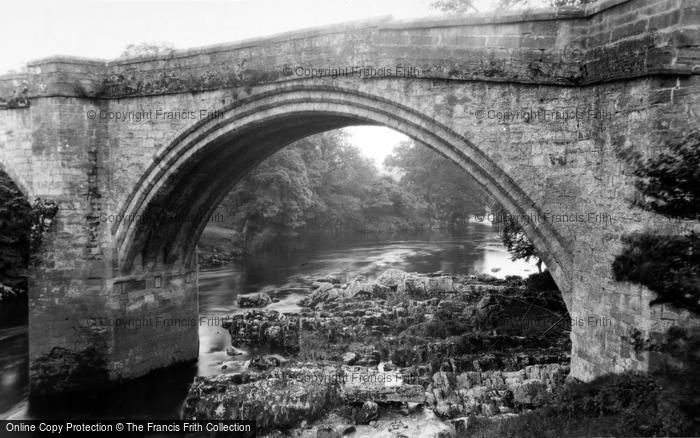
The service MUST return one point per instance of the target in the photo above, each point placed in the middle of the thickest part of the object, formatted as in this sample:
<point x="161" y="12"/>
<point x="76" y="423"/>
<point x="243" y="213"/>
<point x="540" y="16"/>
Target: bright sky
<point x="34" y="29"/>
<point x="376" y="142"/>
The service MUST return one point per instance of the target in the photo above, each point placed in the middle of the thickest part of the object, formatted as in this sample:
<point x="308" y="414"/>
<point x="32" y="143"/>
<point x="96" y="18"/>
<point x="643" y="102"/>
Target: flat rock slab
<point x="367" y="384"/>
<point x="279" y="400"/>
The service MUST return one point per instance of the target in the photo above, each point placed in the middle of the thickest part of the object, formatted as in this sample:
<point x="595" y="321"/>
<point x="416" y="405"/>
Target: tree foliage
<point x="668" y="184"/>
<point x="15" y="227"/>
<point x="513" y="237"/>
<point x="454" y="6"/>
<point x="450" y="193"/>
<point x="669" y="265"/>
<point x="324" y="183"/>
<point x="147" y="49"/>
<point x="22" y="228"/>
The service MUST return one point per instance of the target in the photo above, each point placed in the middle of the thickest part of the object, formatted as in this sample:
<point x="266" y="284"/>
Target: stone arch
<point x="189" y="177"/>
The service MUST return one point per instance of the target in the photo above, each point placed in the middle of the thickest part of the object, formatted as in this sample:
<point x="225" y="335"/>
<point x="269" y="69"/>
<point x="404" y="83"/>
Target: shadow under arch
<point x="15" y="257"/>
<point x="163" y="217"/>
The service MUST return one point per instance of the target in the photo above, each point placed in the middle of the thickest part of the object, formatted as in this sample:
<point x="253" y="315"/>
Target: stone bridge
<point x="537" y="107"/>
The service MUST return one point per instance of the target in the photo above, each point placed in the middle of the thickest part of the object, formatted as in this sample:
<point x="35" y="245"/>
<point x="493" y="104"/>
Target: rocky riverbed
<point x="390" y="357"/>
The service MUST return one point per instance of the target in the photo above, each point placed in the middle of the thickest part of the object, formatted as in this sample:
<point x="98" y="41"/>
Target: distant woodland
<point x="323" y="183"/>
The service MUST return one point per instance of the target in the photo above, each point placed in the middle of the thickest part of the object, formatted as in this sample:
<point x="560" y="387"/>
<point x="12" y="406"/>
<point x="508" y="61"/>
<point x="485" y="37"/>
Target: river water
<point x="159" y="395"/>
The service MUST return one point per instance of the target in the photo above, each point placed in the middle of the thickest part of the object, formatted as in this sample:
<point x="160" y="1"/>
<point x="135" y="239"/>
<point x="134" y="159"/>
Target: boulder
<point x="267" y="362"/>
<point x="530" y="393"/>
<point x="349" y="358"/>
<point x="228" y="364"/>
<point x="404" y="394"/>
<point x="362" y="384"/>
<point x="461" y="425"/>
<point x="324" y="293"/>
<point x="370" y="358"/>
<point x="386" y="366"/>
<point x="327" y="432"/>
<point x="264" y="328"/>
<point x="328" y="279"/>
<point x="363" y="289"/>
<point x="233" y="351"/>
<point x="441" y="394"/>
<point x="486" y="303"/>
<point x="440" y="284"/>
<point x="368" y="412"/>
<point x="414" y="286"/>
<point x="486" y="278"/>
<point x="256" y="299"/>
<point x="488" y="311"/>
<point x="422" y="286"/>
<point x="393" y="279"/>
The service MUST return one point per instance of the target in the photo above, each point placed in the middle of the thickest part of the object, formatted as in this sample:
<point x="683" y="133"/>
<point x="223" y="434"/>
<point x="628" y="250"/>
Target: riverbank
<point x="372" y="358"/>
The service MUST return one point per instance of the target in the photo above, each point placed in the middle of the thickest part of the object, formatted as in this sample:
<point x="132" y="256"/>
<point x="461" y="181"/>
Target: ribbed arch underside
<point x="194" y="173"/>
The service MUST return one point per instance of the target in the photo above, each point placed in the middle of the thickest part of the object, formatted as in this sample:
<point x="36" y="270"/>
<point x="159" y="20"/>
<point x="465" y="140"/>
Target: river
<point x="159" y="395"/>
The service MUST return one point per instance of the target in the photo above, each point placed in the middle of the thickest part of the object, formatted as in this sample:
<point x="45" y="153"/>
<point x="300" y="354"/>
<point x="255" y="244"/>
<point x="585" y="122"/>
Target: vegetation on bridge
<point x="466" y="6"/>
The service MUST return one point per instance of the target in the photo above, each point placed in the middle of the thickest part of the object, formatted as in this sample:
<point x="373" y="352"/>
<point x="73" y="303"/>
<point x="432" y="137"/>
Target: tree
<point x="323" y="183"/>
<point x="276" y="196"/>
<point x="320" y="183"/>
<point x="450" y="193"/>
<point x="514" y="239"/>
<point x="668" y="265"/>
<point x="147" y="49"/>
<point x="454" y="6"/>
<point x="670" y="183"/>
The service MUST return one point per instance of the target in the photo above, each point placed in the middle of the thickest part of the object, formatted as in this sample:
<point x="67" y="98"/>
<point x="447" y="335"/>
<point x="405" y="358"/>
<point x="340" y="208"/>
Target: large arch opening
<point x="291" y="226"/>
<point x="192" y="175"/>
<point x="164" y="217"/>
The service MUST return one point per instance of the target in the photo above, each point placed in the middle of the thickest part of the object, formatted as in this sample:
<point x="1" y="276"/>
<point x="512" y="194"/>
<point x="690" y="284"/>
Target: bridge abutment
<point x="100" y="332"/>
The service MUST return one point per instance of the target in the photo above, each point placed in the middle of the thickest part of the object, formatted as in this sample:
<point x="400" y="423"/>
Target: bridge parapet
<point x="604" y="41"/>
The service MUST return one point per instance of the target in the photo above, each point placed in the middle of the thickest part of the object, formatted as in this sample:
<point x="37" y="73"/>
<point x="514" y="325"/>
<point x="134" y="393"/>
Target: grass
<point x="544" y="423"/>
<point x="630" y="404"/>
